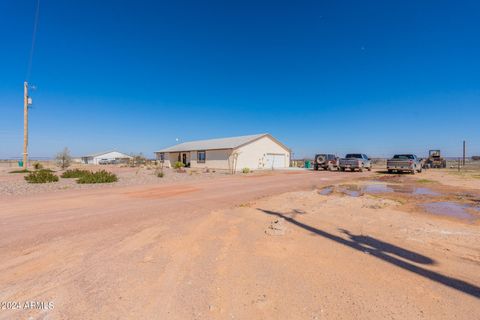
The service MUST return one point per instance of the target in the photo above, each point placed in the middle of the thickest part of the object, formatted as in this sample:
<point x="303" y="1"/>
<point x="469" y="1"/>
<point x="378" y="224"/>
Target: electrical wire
<point x="34" y="35"/>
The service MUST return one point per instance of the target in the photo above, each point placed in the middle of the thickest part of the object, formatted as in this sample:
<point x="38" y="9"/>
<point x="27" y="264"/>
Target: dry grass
<point x="467" y="174"/>
<point x="426" y="181"/>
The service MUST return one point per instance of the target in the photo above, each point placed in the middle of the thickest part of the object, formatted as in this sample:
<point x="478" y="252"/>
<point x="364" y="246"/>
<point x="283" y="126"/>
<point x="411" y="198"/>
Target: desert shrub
<point x="137" y="160"/>
<point x="160" y="174"/>
<point x="75" y="173"/>
<point x="20" y="171"/>
<point x="37" y="166"/>
<point x="178" y="165"/>
<point x="41" y="176"/>
<point x="101" y="176"/>
<point x="63" y="158"/>
<point x="246" y="170"/>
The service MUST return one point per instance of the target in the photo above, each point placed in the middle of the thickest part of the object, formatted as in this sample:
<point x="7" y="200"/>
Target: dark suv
<point x="326" y="161"/>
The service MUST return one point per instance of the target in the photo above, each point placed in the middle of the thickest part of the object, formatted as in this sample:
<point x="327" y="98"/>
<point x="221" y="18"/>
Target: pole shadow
<point x="380" y="249"/>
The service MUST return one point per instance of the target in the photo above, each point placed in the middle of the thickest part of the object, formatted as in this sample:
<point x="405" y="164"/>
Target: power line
<point x="35" y="24"/>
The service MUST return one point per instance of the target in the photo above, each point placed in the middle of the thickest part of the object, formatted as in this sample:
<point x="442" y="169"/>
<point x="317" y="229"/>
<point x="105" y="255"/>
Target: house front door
<point x="184" y="158"/>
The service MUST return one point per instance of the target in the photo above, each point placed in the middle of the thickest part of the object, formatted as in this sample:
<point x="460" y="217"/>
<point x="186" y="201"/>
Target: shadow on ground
<point x="381" y="250"/>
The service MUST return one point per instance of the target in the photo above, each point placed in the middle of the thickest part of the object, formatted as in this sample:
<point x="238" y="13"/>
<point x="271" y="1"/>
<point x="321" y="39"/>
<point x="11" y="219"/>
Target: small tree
<point x="37" y="166"/>
<point x="232" y="164"/>
<point x="63" y="158"/>
<point x="159" y="169"/>
<point x="137" y="160"/>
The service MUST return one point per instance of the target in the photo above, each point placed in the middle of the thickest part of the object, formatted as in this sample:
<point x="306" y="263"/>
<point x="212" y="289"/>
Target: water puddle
<point x="426" y="191"/>
<point x="377" y="188"/>
<point x="399" y="188"/>
<point x="354" y="190"/>
<point x="413" y="190"/>
<point x="351" y="190"/>
<point x="451" y="209"/>
<point x="326" y="191"/>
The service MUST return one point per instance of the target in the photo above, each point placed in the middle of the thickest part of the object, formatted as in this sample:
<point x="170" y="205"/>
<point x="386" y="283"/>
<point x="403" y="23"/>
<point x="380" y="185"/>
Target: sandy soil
<point x="452" y="177"/>
<point x="243" y="247"/>
<point x="15" y="184"/>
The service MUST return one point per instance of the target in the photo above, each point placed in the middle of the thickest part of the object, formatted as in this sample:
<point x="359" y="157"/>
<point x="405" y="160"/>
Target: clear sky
<point x="322" y="76"/>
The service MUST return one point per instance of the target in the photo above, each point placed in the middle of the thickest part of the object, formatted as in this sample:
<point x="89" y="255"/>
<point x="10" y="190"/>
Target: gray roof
<point x="214" y="144"/>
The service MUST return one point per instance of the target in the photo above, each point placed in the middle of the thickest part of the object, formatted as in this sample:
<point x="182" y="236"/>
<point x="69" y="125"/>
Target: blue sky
<point x="322" y="76"/>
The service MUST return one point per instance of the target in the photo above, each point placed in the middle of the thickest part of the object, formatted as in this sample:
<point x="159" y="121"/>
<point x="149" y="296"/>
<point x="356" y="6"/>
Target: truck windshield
<point x="404" y="156"/>
<point x="354" y="155"/>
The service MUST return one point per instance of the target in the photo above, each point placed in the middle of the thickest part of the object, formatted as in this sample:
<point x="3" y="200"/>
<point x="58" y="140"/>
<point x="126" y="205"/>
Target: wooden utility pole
<point x="25" y="124"/>
<point x="464" y="152"/>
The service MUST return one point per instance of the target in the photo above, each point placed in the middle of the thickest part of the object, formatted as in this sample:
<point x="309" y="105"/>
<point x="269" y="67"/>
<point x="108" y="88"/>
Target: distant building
<point x="260" y="151"/>
<point x="106" y="157"/>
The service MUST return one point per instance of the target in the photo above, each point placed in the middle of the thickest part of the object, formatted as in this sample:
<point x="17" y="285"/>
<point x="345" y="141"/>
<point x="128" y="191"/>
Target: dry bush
<point x="63" y="159"/>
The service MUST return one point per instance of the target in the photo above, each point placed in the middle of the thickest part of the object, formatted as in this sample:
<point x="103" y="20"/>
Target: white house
<point x="109" y="156"/>
<point x="259" y="151"/>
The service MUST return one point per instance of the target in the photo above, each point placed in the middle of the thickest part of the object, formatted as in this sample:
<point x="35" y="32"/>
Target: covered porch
<point x="170" y="158"/>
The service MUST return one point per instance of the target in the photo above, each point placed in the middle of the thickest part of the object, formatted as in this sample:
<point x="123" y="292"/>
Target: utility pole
<point x="25" y="124"/>
<point x="464" y="152"/>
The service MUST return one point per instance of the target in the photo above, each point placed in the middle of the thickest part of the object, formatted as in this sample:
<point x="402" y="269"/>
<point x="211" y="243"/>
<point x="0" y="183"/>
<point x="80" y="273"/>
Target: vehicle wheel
<point x="342" y="169"/>
<point x="320" y="159"/>
<point x="390" y="171"/>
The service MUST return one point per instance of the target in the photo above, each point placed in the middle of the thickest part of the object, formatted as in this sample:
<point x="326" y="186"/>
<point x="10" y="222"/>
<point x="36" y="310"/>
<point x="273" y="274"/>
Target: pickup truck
<point x="404" y="163"/>
<point x="354" y="161"/>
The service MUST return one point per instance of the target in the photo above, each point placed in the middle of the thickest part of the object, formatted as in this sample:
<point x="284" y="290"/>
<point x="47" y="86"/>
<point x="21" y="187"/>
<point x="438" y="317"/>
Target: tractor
<point x="435" y="160"/>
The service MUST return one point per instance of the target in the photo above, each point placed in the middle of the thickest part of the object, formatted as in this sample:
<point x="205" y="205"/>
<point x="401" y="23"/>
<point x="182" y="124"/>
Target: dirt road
<point x="203" y="250"/>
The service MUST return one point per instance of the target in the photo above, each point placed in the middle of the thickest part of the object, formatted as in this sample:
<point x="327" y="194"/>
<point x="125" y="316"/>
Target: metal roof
<point x="102" y="153"/>
<point x="214" y="144"/>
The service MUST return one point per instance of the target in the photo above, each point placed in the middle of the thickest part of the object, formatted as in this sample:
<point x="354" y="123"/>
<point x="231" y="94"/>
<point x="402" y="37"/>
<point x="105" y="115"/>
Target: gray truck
<point x="354" y="161"/>
<point x="405" y="163"/>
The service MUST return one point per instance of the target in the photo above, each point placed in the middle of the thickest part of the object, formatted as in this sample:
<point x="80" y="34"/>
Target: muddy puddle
<point x="354" y="190"/>
<point x="326" y="191"/>
<point x="351" y="190"/>
<point x="463" y="206"/>
<point x="452" y="209"/>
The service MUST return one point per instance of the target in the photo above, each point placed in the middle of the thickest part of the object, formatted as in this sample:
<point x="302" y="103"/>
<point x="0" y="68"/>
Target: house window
<point x="201" y="156"/>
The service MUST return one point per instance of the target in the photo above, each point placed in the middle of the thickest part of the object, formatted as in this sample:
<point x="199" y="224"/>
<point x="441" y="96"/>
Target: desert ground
<point x="292" y="244"/>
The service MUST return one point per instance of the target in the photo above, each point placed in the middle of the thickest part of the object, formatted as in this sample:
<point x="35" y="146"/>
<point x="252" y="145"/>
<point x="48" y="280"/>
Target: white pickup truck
<point x="354" y="161"/>
<point x="404" y="163"/>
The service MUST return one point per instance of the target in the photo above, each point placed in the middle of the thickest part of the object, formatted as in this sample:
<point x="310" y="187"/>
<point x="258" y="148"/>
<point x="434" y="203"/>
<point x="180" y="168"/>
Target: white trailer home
<point x="109" y="157"/>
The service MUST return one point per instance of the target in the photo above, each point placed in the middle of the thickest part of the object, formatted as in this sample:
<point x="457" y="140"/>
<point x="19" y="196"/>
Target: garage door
<point x="275" y="161"/>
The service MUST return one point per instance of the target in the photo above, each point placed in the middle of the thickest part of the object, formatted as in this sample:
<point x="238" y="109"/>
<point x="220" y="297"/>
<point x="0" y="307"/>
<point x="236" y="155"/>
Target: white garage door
<point x="275" y="161"/>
